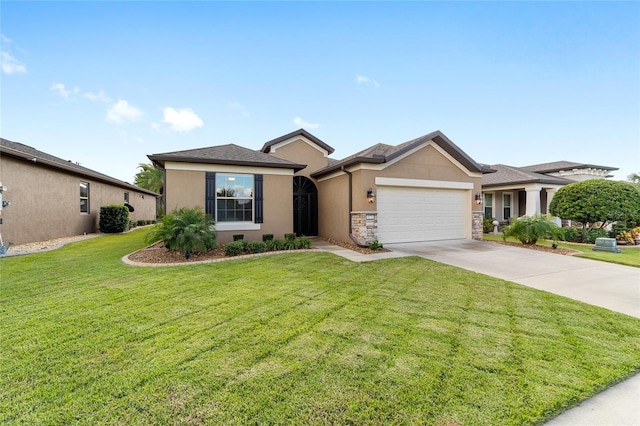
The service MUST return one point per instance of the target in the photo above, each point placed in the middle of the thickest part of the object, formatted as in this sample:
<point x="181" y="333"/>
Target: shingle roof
<point x="26" y="152"/>
<point x="383" y="153"/>
<point x="300" y="132"/>
<point x="515" y="175"/>
<point x="557" y="166"/>
<point x="226" y="154"/>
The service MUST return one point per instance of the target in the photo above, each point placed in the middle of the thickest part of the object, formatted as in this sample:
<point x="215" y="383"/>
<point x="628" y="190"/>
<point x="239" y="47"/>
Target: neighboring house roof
<point x="229" y="154"/>
<point x="383" y="153"/>
<point x="25" y="152"/>
<point x="509" y="175"/>
<point x="266" y="148"/>
<point x="558" y="166"/>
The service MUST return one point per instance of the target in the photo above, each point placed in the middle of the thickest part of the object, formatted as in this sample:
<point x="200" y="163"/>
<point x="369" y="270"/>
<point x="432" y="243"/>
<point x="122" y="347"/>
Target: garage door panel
<point x="420" y="214"/>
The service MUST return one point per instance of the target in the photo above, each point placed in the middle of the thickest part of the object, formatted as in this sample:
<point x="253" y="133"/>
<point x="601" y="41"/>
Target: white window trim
<point x="237" y="226"/>
<point x="253" y="204"/>
<point x="510" y="194"/>
<point x="493" y="203"/>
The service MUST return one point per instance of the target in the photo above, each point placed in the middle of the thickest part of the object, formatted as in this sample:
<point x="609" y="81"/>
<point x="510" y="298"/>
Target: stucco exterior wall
<point x="333" y="208"/>
<point x="186" y="188"/>
<point x="302" y="153"/>
<point x="45" y="202"/>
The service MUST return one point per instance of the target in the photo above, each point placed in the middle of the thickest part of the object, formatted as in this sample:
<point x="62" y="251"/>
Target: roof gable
<point x="26" y="152"/>
<point x="291" y="137"/>
<point x="383" y="153"/>
<point x="230" y="154"/>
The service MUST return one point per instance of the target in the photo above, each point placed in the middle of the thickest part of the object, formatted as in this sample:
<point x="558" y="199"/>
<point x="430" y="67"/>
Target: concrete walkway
<point x="614" y="287"/>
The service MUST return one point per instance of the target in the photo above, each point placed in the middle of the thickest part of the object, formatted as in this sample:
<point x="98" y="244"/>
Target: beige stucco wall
<point x="45" y="202"/>
<point x="186" y="188"/>
<point x="301" y="152"/>
<point x="424" y="164"/>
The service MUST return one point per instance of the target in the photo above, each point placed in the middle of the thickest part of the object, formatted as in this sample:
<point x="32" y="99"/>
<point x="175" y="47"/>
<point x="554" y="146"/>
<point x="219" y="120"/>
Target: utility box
<point x="607" y="244"/>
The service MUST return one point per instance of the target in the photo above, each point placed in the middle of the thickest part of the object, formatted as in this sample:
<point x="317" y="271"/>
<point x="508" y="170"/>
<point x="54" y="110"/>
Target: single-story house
<point x="45" y="197"/>
<point x="518" y="191"/>
<point x="421" y="190"/>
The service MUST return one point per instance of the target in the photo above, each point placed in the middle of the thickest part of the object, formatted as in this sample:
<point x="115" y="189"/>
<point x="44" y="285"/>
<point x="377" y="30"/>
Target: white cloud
<point x="363" y="79"/>
<point x="298" y="121"/>
<point x="100" y="96"/>
<point x="61" y="90"/>
<point x="10" y="65"/>
<point x="182" y="120"/>
<point x="237" y="106"/>
<point x="121" y="111"/>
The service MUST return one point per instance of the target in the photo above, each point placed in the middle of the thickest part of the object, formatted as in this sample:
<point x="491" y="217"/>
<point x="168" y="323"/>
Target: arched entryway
<point x="305" y="206"/>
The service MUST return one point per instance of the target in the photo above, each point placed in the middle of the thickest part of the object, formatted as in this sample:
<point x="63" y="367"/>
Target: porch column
<point x="533" y="201"/>
<point x="550" y="193"/>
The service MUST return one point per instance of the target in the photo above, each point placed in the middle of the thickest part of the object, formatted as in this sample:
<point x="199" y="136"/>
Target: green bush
<point x="132" y="224"/>
<point x="487" y="225"/>
<point x="113" y="218"/>
<point x="257" y="247"/>
<point x="375" y="245"/>
<point x="267" y="237"/>
<point x="290" y="244"/>
<point x="530" y="229"/>
<point x="141" y="222"/>
<point x="238" y="237"/>
<point x="303" y="243"/>
<point x="187" y="230"/>
<point x="570" y="234"/>
<point x="290" y="236"/>
<point x="234" y="248"/>
<point x="275" y="244"/>
<point x="591" y="235"/>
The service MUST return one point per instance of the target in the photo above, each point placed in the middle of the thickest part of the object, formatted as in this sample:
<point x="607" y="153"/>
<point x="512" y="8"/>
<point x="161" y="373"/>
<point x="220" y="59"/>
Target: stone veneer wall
<point x="476" y="225"/>
<point x="364" y="226"/>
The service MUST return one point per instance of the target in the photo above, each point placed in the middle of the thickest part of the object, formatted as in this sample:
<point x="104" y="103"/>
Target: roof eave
<point x="162" y="159"/>
<point x="266" y="147"/>
<point x="351" y="162"/>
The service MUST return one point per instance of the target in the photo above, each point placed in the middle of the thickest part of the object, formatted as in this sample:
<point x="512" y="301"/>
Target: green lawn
<point x="628" y="256"/>
<point x="299" y="338"/>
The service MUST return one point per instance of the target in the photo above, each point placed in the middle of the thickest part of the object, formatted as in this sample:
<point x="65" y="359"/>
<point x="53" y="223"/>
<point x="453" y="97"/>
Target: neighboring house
<point x="519" y="191"/>
<point x="47" y="197"/>
<point x="422" y="190"/>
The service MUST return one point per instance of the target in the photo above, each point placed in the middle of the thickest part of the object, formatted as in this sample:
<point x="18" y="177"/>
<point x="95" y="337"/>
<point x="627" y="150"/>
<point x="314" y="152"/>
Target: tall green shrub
<point x="530" y="229"/>
<point x="187" y="230"/>
<point x="114" y="218"/>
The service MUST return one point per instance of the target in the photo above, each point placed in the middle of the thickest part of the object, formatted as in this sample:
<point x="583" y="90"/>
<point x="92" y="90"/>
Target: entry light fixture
<point x="478" y="198"/>
<point x="370" y="195"/>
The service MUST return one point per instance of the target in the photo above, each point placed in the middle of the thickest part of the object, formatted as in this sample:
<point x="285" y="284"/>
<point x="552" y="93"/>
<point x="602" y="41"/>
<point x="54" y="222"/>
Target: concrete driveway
<point x="610" y="286"/>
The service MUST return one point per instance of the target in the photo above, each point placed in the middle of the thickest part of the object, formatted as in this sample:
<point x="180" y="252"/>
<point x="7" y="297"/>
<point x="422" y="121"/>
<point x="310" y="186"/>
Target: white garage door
<point x="420" y="214"/>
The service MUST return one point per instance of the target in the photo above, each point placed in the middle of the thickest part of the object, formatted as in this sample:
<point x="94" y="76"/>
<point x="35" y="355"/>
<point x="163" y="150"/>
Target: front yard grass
<point x="305" y="338"/>
<point x="629" y="256"/>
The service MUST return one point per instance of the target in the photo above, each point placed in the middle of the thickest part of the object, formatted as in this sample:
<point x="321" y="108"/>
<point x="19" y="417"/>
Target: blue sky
<point x="518" y="83"/>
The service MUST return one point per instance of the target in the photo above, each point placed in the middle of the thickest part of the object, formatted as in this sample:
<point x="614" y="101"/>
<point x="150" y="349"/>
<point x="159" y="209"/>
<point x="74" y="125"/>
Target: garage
<point x="423" y="213"/>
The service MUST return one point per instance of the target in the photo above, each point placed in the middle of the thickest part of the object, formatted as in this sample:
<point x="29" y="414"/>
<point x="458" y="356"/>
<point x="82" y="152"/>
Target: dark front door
<point x="305" y="206"/>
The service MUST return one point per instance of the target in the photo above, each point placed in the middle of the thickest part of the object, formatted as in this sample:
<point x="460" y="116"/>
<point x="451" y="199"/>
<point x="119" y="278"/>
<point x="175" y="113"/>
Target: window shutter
<point x="210" y="194"/>
<point x="259" y="197"/>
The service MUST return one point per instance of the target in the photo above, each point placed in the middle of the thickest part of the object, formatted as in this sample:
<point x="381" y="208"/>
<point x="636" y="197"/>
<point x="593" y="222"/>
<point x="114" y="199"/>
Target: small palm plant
<point x="187" y="230"/>
<point x="530" y="229"/>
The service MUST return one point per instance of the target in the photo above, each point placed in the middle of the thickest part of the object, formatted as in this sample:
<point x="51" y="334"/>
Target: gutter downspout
<point x="348" y="173"/>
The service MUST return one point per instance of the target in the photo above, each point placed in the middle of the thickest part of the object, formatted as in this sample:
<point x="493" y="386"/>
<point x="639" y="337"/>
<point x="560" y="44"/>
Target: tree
<point x="150" y="177"/>
<point x="597" y="201"/>
<point x="634" y="178"/>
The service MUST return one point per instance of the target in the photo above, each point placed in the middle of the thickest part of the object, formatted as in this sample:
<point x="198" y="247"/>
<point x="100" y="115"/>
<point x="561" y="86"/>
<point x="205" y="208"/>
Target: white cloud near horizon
<point x="182" y="120"/>
<point x="363" y="79"/>
<point x="10" y="65"/>
<point x="61" y="90"/>
<point x="121" y="112"/>
<point x="298" y="121"/>
<point x="100" y="96"/>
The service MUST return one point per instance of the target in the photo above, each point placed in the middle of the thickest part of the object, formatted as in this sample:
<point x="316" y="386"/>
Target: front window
<point x="234" y="198"/>
<point x="84" y="197"/>
<point x="506" y="206"/>
<point x="488" y="206"/>
<point x="126" y="197"/>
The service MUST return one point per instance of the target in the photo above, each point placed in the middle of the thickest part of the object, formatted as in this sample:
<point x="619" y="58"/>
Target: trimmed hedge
<point x="114" y="218"/>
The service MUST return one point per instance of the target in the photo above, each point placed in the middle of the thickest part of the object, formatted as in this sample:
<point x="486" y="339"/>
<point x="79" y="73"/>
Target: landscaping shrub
<point x="256" y="247"/>
<point x="375" y="245"/>
<point x="290" y="244"/>
<point x="570" y="234"/>
<point x="187" y="230"/>
<point x="238" y="237"/>
<point x="141" y="222"/>
<point x="114" y="218"/>
<point x="593" y="233"/>
<point x="487" y="225"/>
<point x="132" y="224"/>
<point x="275" y="244"/>
<point x="290" y="236"/>
<point x="267" y="237"/>
<point x="530" y="229"/>
<point x="234" y="248"/>
<point x="303" y="243"/>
